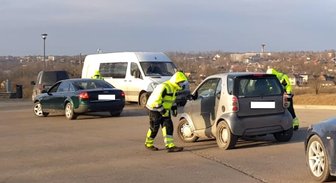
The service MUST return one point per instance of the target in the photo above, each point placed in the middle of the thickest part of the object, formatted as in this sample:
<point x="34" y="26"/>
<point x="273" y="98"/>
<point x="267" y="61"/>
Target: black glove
<point x="174" y="110"/>
<point x="174" y="113"/>
<point x="163" y="111"/>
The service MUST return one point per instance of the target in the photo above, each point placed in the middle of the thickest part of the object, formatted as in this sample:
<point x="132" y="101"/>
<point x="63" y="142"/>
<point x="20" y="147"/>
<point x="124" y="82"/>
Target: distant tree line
<point x="23" y="70"/>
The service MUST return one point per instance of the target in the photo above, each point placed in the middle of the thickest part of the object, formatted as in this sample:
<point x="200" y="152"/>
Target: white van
<point x="136" y="73"/>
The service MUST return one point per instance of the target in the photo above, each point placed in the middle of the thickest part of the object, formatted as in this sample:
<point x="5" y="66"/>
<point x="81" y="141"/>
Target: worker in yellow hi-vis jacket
<point x="160" y="105"/>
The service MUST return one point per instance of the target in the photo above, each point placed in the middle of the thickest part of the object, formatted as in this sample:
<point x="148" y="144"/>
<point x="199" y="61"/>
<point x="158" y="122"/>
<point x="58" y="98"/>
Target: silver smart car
<point x="232" y="105"/>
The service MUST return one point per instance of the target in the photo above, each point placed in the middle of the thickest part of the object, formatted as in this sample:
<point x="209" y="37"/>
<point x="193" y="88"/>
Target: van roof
<point x="141" y="56"/>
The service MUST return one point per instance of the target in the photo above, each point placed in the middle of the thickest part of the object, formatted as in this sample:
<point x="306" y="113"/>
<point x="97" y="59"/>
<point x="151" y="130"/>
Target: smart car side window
<point x="230" y="85"/>
<point x="208" y="88"/>
<point x="219" y="88"/>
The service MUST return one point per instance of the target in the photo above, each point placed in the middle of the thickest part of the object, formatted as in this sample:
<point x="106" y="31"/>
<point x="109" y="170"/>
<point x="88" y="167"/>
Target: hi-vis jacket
<point x="97" y="75"/>
<point x="283" y="78"/>
<point x="164" y="95"/>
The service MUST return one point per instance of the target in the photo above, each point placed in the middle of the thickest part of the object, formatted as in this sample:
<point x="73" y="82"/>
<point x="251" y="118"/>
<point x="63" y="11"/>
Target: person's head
<point x="97" y="73"/>
<point x="178" y="79"/>
<point x="271" y="71"/>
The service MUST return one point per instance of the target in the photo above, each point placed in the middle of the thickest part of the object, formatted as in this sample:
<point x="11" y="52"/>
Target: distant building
<point x="327" y="83"/>
<point x="304" y="78"/>
<point x="248" y="57"/>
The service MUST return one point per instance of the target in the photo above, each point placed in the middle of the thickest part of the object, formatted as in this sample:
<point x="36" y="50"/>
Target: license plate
<point x="262" y="105"/>
<point x="106" y="97"/>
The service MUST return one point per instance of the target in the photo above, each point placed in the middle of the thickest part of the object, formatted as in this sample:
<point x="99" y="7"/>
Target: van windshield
<point x="158" y="68"/>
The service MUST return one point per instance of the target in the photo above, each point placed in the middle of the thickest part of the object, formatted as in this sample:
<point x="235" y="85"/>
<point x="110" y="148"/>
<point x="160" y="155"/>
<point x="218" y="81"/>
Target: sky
<point x="83" y="26"/>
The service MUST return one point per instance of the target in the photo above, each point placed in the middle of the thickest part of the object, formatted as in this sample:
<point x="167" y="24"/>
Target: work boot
<point x="174" y="149"/>
<point x="295" y="128"/>
<point x="152" y="148"/>
<point x="296" y="124"/>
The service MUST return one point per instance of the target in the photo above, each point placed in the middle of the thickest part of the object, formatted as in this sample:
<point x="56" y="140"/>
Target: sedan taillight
<point x="84" y="96"/>
<point x="122" y="94"/>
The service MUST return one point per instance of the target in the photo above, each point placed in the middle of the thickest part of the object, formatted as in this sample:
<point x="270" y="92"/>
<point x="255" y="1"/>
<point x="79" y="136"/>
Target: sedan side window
<point x="208" y="88"/>
<point x="63" y="87"/>
<point x="54" y="88"/>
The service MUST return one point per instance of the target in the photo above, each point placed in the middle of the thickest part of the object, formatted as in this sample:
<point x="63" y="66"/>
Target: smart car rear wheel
<point x="284" y="136"/>
<point x="317" y="159"/>
<point x="115" y="113"/>
<point x="38" y="110"/>
<point x="69" y="112"/>
<point x="224" y="138"/>
<point x="185" y="132"/>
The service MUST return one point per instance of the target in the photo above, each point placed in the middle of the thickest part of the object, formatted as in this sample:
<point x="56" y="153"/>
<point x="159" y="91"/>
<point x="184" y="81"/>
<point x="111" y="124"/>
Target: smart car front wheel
<point x="317" y="159"/>
<point x="185" y="132"/>
<point x="224" y="137"/>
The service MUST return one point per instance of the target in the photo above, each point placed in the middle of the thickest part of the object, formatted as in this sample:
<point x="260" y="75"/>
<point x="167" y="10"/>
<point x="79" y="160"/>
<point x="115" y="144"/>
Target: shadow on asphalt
<point x="129" y="111"/>
<point x="248" y="142"/>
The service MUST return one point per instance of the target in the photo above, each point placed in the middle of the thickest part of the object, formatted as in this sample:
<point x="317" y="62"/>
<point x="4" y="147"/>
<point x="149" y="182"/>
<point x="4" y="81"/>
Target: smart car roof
<point x="223" y="75"/>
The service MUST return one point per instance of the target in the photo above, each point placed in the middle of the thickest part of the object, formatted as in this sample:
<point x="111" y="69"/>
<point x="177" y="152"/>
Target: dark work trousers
<point x="291" y="108"/>
<point x="156" y="120"/>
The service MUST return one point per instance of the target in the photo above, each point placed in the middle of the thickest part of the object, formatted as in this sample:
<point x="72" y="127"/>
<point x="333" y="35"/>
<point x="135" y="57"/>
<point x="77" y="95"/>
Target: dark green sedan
<point x="79" y="96"/>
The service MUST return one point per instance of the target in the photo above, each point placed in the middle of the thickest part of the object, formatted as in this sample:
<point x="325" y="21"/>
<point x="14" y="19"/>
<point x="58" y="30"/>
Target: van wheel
<point x="284" y="136"/>
<point x="69" y="112"/>
<point x="224" y="137"/>
<point x="143" y="99"/>
<point x="185" y="132"/>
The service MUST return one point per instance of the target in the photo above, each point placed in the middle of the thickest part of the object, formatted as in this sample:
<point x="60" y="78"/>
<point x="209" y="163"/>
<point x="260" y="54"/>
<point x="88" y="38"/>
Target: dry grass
<point x="313" y="99"/>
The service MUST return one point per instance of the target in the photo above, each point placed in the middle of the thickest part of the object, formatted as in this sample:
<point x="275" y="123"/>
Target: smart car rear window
<point x="257" y="86"/>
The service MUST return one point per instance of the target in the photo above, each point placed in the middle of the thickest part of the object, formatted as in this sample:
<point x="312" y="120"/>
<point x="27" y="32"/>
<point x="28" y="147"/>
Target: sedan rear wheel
<point x="317" y="159"/>
<point x="224" y="138"/>
<point x="69" y="112"/>
<point x="185" y="132"/>
<point x="38" y="110"/>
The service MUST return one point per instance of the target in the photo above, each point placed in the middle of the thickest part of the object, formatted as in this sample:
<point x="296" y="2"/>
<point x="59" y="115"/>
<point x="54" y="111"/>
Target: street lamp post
<point x="44" y="37"/>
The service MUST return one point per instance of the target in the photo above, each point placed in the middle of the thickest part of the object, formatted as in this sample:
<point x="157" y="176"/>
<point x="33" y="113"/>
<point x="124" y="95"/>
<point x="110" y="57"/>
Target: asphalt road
<point x="100" y="148"/>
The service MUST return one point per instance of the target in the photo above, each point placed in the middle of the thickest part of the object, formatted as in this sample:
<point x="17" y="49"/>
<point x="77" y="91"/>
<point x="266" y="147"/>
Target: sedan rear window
<point x="91" y="84"/>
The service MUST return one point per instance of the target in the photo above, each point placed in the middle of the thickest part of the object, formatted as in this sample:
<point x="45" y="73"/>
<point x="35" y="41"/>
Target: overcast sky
<point x="83" y="26"/>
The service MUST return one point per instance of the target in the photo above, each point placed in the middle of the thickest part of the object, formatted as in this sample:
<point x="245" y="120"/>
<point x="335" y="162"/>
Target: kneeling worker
<point x="160" y="104"/>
